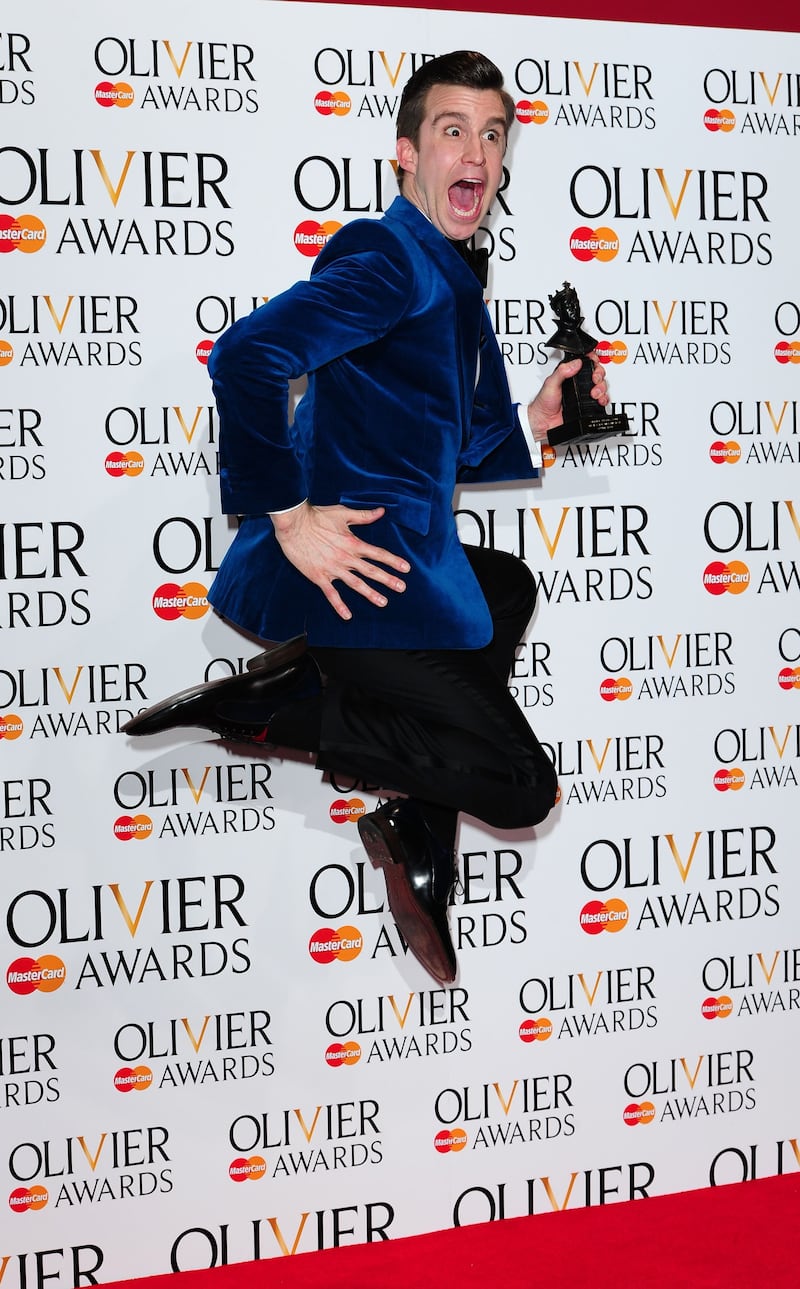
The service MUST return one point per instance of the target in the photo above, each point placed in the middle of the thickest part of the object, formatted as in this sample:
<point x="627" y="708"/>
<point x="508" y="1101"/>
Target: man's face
<point x="454" y="171"/>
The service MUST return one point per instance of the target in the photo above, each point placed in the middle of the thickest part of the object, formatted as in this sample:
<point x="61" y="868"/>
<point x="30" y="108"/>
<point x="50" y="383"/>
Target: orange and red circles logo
<point x="532" y="113"/>
<point x="611" y="351"/>
<point x="6" y="353"/>
<point x="310" y="237"/>
<point x="202" y="351"/>
<point x="344" y="812"/>
<point x="536" y="1029"/>
<point x="171" y="601"/>
<point x="25" y="1198"/>
<point x="730" y="780"/>
<point x="24" y="233"/>
<point x="133" y="827"/>
<point x="332" y="103"/>
<point x="721" y="118"/>
<point x="133" y="1078"/>
<point x="26" y="975"/>
<point x="604" y="915"/>
<point x="719" y="577"/>
<point x="725" y="453"/>
<point x="339" y="1054"/>
<point x="248" y="1170"/>
<point x="11" y="726"/>
<point x="639" y="1112"/>
<point x="450" y="1139"/>
<point x="789" y="678"/>
<point x="594" y="244"/>
<point x="129" y="464"/>
<point x="111" y="94"/>
<point x="345" y="944"/>
<point x="616" y="687"/>
<point x="786" y="351"/>
<point x="548" y="456"/>
<point x="717" y="1008"/>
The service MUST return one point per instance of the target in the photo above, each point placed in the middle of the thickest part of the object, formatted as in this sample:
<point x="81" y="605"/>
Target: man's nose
<point x="475" y="150"/>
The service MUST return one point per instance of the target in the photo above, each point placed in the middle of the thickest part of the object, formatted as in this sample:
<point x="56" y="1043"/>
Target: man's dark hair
<point x="462" y="67"/>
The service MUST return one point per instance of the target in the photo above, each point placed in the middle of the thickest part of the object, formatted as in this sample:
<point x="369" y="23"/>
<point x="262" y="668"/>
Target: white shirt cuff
<point x="289" y="509"/>
<point x="534" y="446"/>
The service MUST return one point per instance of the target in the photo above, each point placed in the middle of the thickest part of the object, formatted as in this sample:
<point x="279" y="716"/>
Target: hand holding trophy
<point x="584" y="419"/>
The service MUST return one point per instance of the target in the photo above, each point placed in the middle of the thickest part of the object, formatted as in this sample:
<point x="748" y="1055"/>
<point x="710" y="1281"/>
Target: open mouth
<point x="466" y="197"/>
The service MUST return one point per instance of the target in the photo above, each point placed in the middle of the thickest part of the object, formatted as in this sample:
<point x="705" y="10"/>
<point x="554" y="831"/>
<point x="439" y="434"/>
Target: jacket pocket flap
<point x="407" y="511"/>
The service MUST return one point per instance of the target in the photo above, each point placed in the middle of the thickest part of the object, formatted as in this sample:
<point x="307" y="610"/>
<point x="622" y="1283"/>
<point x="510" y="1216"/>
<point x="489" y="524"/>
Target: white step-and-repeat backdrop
<point x="185" y="1079"/>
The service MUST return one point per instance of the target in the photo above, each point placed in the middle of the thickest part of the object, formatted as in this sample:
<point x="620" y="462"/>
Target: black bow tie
<point x="476" y="258"/>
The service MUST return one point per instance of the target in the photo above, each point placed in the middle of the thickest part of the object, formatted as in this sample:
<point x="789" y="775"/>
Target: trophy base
<point x="586" y="429"/>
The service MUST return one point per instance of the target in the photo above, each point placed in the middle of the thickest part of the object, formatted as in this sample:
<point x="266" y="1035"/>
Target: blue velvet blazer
<point x="389" y="329"/>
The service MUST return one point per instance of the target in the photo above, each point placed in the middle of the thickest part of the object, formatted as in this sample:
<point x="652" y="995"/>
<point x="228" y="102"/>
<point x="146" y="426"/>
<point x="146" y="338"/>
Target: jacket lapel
<point x="461" y="281"/>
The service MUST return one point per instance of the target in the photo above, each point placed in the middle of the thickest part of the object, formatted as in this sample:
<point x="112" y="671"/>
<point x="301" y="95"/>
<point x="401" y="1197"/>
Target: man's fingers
<point x="363" y="550"/>
<point x="335" y="600"/>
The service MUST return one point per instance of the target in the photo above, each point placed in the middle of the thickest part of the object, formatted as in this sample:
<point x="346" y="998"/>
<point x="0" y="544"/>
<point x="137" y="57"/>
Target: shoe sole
<point x="412" y="923"/>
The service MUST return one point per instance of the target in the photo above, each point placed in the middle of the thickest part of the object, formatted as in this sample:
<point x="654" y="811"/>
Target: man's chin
<point x="461" y="230"/>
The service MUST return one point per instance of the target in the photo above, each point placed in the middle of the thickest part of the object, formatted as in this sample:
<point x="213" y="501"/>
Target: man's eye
<point x="453" y="131"/>
<point x="493" y="136"/>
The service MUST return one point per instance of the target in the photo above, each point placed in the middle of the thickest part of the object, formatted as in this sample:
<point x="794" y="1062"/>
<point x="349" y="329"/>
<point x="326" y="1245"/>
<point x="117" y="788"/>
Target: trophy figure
<point x="584" y="418"/>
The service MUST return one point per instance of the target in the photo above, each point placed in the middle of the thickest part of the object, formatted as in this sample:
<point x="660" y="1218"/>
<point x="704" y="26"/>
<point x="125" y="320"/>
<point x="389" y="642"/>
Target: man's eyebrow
<point x="494" y="122"/>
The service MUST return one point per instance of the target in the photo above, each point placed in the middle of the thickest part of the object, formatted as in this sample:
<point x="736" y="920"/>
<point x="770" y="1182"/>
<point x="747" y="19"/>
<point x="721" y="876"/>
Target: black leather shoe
<point x="420" y="874"/>
<point x="238" y="707"/>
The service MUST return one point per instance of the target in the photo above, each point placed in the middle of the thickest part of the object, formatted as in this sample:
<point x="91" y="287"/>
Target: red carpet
<point x="731" y="1237"/>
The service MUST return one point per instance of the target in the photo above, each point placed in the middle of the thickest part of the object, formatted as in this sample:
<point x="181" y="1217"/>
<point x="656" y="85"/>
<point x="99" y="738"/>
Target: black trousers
<point x="441" y="726"/>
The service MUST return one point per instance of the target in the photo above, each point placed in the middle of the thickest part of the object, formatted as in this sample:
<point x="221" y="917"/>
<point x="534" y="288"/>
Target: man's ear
<point x="406" y="155"/>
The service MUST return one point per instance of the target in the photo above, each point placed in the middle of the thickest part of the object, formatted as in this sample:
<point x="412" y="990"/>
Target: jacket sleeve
<point x="358" y="291"/>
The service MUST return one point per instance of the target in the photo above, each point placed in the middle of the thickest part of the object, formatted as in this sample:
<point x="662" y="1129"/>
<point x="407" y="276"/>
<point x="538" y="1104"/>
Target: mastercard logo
<point x="611" y="351"/>
<point x="6" y="353"/>
<point x="725" y="453"/>
<point x="717" y="1008"/>
<point x="731" y="780"/>
<point x="128" y="464"/>
<point x="536" y="1031"/>
<point x="604" y="915"/>
<point x="109" y="94"/>
<point x="336" y="103"/>
<point x="23" y="233"/>
<point x="450" y="1139"/>
<point x="26" y="1198"/>
<point x="171" y="601"/>
<point x="133" y="828"/>
<point x="789" y="678"/>
<point x="715" y="119"/>
<point x="786" y="351"/>
<point x="203" y="351"/>
<point x="719" y="577"/>
<point x="327" y="945"/>
<point x="248" y="1170"/>
<point x="616" y="687"/>
<point x="137" y="1078"/>
<point x="548" y="456"/>
<point x="532" y="113"/>
<point x="344" y="812"/>
<point x="639" y="1113"/>
<point x="594" y="244"/>
<point x="27" y="975"/>
<point x="11" y="726"/>
<point x="310" y="237"/>
<point x="339" y="1054"/>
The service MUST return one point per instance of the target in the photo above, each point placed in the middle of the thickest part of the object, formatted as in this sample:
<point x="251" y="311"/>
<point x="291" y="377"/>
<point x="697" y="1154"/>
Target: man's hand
<point x="318" y="541"/>
<point x="544" y="412"/>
